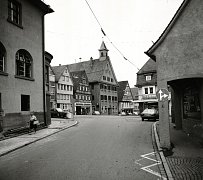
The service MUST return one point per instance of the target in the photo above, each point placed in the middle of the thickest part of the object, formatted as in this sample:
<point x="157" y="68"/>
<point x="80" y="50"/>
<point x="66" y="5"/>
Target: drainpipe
<point x="43" y="72"/>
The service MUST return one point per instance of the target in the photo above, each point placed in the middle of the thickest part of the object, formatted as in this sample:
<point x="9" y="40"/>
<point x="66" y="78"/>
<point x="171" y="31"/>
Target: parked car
<point x="122" y="114"/>
<point x="96" y="113"/>
<point x="58" y="112"/>
<point x="152" y="114"/>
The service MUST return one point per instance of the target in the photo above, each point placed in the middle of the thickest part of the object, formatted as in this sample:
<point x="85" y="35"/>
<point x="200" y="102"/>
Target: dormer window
<point x="148" y="78"/>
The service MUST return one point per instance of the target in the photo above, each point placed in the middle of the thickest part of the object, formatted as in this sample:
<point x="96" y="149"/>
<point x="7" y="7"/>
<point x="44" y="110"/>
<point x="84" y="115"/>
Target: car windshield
<point x="149" y="111"/>
<point x="59" y="109"/>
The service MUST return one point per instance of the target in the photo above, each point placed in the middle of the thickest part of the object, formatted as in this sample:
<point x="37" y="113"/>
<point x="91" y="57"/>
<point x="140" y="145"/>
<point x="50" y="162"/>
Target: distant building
<point x="64" y="88"/>
<point x="81" y="93"/>
<point x="52" y="82"/>
<point x="179" y="57"/>
<point x="134" y="92"/>
<point x="22" y="63"/>
<point x="125" y="98"/>
<point x="102" y="80"/>
<point x="147" y="86"/>
<point x="48" y="59"/>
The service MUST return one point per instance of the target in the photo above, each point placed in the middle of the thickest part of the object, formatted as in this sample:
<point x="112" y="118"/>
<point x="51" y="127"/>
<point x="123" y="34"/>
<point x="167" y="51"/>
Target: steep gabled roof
<point x="149" y="66"/>
<point x="93" y="68"/>
<point x="121" y="89"/>
<point x="77" y="77"/>
<point x="134" y="92"/>
<point x="58" y="71"/>
<point x="167" y="30"/>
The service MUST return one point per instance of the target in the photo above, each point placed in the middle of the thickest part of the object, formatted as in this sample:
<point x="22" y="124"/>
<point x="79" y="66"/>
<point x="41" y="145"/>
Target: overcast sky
<point x="72" y="32"/>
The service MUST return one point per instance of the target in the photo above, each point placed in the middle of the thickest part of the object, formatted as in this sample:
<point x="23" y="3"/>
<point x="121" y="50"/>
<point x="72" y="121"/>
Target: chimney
<point x="59" y="64"/>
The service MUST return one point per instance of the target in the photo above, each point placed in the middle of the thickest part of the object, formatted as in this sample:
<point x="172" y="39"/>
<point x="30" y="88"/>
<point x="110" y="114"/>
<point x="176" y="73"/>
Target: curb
<point x="38" y="139"/>
<point x="160" y="151"/>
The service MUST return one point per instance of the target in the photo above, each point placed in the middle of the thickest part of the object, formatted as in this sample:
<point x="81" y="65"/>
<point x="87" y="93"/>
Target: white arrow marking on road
<point x="147" y="168"/>
<point x="162" y="96"/>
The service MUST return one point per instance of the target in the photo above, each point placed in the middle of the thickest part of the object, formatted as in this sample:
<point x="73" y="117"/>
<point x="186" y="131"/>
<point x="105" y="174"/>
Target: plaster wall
<point x="181" y="53"/>
<point x="30" y="38"/>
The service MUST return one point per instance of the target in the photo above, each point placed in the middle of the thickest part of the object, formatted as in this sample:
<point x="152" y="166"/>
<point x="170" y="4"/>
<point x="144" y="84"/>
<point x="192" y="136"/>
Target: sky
<point x="73" y="34"/>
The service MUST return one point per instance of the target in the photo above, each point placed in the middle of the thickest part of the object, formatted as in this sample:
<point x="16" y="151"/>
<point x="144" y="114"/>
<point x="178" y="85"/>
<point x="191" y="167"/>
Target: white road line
<point x="147" y="168"/>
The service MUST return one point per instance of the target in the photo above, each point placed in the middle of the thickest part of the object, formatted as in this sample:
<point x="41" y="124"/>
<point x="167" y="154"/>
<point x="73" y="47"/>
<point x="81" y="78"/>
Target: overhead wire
<point x="103" y="32"/>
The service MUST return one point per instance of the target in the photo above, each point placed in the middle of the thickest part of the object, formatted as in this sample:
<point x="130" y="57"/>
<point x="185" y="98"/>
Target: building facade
<point x="102" y="81"/>
<point x="178" y="54"/>
<point x="81" y="93"/>
<point x="52" y="82"/>
<point x="64" y="88"/>
<point x="22" y="62"/>
<point x="147" y="86"/>
<point x="134" y="92"/>
<point x="125" y="98"/>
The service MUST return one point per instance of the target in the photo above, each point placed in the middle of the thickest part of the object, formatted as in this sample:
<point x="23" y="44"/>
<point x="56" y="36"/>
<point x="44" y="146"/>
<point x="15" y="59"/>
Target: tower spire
<point x="103" y="52"/>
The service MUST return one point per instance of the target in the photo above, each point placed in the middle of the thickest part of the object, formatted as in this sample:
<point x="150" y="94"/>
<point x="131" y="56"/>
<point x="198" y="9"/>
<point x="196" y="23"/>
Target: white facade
<point x="64" y="91"/>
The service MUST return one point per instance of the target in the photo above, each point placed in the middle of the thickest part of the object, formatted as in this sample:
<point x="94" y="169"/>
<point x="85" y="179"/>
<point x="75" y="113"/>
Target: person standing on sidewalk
<point x="33" y="122"/>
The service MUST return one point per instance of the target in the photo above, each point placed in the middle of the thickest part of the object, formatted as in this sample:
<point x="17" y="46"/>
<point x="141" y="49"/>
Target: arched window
<point x="2" y="57"/>
<point x="23" y="63"/>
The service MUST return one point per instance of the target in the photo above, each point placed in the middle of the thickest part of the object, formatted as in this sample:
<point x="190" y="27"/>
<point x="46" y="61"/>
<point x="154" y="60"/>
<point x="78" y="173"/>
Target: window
<point x="58" y="86"/>
<point x="92" y="97"/>
<point x="101" y="97"/>
<point x="148" y="78"/>
<point x="104" y="77"/>
<point x="111" y="79"/>
<point x="67" y="78"/>
<point x="25" y="103"/>
<point x="109" y="98"/>
<point x="14" y="12"/>
<point x="23" y="64"/>
<point x="84" y="81"/>
<point x="2" y="58"/>
<point x="191" y="102"/>
<point x="151" y="90"/>
<point x="108" y="78"/>
<point x="146" y="90"/>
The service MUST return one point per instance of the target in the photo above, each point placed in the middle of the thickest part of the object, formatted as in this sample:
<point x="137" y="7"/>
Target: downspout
<point x="43" y="72"/>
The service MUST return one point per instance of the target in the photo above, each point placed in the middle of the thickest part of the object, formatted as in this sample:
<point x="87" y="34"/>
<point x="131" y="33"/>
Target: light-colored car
<point x="123" y="114"/>
<point x="58" y="112"/>
<point x="152" y="114"/>
<point x="96" y="113"/>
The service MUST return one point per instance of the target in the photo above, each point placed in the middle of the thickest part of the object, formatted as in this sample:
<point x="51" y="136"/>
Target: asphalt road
<point x="99" y="148"/>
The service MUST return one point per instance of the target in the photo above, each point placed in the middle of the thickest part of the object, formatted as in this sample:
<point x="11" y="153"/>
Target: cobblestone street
<point x="186" y="168"/>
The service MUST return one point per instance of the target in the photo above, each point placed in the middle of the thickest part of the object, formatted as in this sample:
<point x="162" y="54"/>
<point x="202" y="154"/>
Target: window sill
<point x="18" y="25"/>
<point x="3" y="73"/>
<point x="25" y="78"/>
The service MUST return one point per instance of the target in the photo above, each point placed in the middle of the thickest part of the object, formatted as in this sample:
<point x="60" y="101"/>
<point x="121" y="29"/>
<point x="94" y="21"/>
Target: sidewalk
<point x="12" y="144"/>
<point x="186" y="162"/>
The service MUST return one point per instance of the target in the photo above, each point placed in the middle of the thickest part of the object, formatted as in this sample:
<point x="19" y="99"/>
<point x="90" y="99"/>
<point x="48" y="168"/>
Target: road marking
<point x="147" y="168"/>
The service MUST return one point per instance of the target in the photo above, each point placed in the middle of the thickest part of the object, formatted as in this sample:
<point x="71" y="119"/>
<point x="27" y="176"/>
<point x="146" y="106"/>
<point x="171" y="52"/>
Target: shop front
<point x="187" y="100"/>
<point x="83" y="108"/>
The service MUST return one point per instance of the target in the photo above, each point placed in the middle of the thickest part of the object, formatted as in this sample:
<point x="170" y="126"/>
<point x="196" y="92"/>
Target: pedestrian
<point x="33" y="122"/>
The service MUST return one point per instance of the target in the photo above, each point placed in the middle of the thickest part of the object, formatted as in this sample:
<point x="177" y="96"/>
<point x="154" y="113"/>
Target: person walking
<point x="33" y="122"/>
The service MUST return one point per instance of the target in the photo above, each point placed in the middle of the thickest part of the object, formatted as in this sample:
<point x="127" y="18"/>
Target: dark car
<point x="58" y="112"/>
<point x="152" y="114"/>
